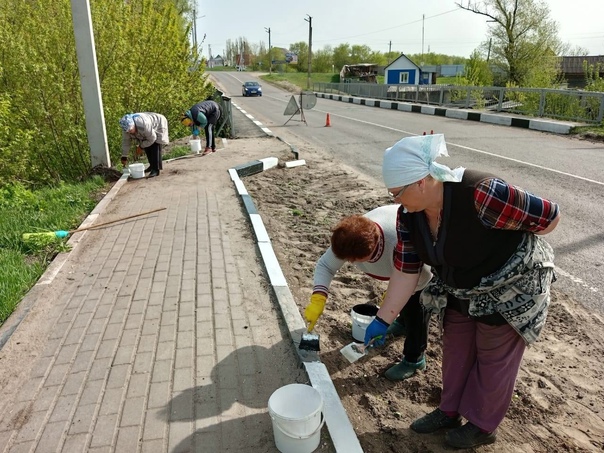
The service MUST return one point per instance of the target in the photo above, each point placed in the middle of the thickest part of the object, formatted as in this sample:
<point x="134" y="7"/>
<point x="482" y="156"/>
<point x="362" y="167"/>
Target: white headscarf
<point x="412" y="158"/>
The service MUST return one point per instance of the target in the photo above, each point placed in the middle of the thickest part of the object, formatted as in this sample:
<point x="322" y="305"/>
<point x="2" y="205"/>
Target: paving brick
<point x="154" y="446"/>
<point x="155" y="425"/>
<point x="104" y="431"/>
<point x="57" y="375"/>
<point x="183" y="379"/>
<point x="92" y="392"/>
<point x="118" y="376"/>
<point x="74" y="383"/>
<point x="51" y="437"/>
<point x="75" y="443"/>
<point x="180" y="437"/>
<point x="159" y="395"/>
<point x="82" y="420"/>
<point x="137" y="386"/>
<point x="132" y="413"/>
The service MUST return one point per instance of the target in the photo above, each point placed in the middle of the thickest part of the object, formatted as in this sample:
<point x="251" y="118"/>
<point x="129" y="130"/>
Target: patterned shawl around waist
<point x="519" y="290"/>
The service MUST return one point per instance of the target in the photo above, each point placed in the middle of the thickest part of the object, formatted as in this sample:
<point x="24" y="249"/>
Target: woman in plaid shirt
<point x="492" y="274"/>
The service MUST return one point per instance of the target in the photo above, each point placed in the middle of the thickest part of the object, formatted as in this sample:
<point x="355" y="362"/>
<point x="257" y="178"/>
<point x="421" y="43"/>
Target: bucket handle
<point x="296" y="436"/>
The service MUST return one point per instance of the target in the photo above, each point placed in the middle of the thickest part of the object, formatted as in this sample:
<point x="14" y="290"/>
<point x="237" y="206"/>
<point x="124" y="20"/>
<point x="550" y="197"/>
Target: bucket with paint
<point x="297" y="414"/>
<point x="137" y="171"/>
<point x="195" y="146"/>
<point x="362" y="315"/>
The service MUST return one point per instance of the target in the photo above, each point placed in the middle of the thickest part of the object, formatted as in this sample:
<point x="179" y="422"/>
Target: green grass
<point x="593" y="132"/>
<point x="25" y="211"/>
<point x="177" y="151"/>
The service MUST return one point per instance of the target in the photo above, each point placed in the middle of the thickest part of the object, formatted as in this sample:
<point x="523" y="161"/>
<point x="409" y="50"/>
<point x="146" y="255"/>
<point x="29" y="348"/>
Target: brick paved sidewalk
<point x="157" y="334"/>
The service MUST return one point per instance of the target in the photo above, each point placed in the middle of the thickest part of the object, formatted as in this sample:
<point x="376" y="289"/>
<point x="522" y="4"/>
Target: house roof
<point x="574" y="65"/>
<point x="399" y="57"/>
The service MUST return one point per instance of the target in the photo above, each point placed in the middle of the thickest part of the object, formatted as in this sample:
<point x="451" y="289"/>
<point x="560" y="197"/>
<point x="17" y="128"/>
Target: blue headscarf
<point x="126" y="122"/>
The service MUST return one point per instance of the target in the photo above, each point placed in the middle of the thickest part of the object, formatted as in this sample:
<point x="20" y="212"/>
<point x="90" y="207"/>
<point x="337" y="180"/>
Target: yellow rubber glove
<point x="314" y="309"/>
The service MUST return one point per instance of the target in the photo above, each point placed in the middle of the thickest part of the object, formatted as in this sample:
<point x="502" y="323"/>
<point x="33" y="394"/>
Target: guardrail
<point x="572" y="105"/>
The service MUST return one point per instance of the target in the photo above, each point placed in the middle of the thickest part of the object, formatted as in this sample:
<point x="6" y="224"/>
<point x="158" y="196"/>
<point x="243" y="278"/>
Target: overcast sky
<point x="446" y="28"/>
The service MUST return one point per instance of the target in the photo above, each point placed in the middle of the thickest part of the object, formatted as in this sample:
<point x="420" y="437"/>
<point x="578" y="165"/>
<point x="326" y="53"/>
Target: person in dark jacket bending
<point x="203" y="114"/>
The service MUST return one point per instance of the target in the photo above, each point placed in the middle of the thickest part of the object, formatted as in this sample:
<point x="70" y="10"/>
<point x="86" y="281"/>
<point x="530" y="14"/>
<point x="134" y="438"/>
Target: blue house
<point x="403" y="71"/>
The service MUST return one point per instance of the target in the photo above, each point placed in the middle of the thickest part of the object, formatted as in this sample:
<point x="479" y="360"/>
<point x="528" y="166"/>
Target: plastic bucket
<point x="297" y="414"/>
<point x="195" y="146"/>
<point x="137" y="171"/>
<point x="362" y="315"/>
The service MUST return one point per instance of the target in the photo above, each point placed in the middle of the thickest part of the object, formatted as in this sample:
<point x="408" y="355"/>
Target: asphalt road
<point x="566" y="170"/>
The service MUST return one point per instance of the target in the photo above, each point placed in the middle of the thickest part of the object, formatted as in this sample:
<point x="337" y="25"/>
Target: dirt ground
<point x="558" y="403"/>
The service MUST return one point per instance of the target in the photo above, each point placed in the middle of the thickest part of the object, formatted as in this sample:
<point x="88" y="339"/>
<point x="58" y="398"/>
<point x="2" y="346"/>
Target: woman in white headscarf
<point x="492" y="274"/>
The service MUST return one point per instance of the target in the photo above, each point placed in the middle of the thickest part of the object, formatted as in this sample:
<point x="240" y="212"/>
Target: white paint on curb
<point x="295" y="163"/>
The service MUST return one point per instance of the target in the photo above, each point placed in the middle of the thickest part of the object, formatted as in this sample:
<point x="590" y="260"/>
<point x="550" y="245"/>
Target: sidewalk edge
<point x="340" y="428"/>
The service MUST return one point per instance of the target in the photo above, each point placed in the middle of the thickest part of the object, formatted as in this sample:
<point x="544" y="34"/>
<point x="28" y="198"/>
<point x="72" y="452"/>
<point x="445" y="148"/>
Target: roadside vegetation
<point x="62" y="207"/>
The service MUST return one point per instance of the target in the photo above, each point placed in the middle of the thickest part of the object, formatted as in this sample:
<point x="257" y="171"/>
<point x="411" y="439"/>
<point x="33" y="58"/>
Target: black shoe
<point x="148" y="169"/>
<point x="153" y="173"/>
<point x="434" y="421"/>
<point x="469" y="436"/>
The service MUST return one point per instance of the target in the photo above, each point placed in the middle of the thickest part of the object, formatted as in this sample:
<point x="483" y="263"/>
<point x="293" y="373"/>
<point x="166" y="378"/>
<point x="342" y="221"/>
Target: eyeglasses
<point x="394" y="197"/>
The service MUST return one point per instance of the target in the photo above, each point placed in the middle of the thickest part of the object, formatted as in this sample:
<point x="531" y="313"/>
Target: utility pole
<point x="389" y="50"/>
<point x="309" y="20"/>
<point x="270" y="56"/>
<point x="194" y="28"/>
<point x="489" y="53"/>
<point x="89" y="81"/>
<point x="423" y="20"/>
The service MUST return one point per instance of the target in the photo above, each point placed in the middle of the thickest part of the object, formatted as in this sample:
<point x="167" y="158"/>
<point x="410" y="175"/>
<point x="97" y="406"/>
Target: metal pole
<point x="270" y="57"/>
<point x="309" y="20"/>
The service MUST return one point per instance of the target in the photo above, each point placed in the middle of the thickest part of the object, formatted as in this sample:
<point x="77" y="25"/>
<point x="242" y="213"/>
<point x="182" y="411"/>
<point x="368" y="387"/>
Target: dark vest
<point x="465" y="250"/>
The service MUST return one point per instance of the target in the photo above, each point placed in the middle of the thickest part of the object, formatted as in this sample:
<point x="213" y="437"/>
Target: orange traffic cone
<point x="327" y="121"/>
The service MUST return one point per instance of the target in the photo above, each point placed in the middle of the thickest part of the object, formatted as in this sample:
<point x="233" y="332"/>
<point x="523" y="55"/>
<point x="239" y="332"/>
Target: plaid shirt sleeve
<point x="506" y="207"/>
<point x="406" y="258"/>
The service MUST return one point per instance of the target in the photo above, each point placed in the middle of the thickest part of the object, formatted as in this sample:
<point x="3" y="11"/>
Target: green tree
<point x="341" y="56"/>
<point x="523" y="39"/>
<point x="477" y="71"/>
<point x="300" y="48"/>
<point x="322" y="60"/>
<point x="360" y="54"/>
<point x="145" y="63"/>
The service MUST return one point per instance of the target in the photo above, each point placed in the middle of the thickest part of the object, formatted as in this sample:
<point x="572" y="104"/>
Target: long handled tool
<point x="63" y="234"/>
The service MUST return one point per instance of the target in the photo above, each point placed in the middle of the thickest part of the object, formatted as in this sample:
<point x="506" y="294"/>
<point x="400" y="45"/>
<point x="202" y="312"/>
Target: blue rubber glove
<point x="195" y="132"/>
<point x="377" y="329"/>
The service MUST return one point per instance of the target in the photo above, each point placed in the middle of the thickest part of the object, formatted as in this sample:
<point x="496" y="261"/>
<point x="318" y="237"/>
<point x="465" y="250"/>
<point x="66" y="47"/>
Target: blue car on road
<point x="251" y="89"/>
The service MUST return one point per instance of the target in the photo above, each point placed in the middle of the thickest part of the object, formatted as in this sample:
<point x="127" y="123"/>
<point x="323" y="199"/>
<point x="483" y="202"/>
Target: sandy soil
<point x="558" y="403"/>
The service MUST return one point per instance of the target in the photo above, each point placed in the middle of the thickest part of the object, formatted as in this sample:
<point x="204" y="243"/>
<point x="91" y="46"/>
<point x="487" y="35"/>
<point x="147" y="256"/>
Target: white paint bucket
<point x="195" y="146"/>
<point x="297" y="414"/>
<point x="362" y="315"/>
<point x="137" y="171"/>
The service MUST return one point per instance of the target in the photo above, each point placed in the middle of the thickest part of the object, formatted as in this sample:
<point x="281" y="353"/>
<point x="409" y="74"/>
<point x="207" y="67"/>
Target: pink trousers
<point x="479" y="369"/>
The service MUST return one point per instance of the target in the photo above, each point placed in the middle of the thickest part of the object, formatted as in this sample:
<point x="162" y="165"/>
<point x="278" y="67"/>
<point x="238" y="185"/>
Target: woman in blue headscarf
<point x="150" y="131"/>
<point x="492" y="272"/>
